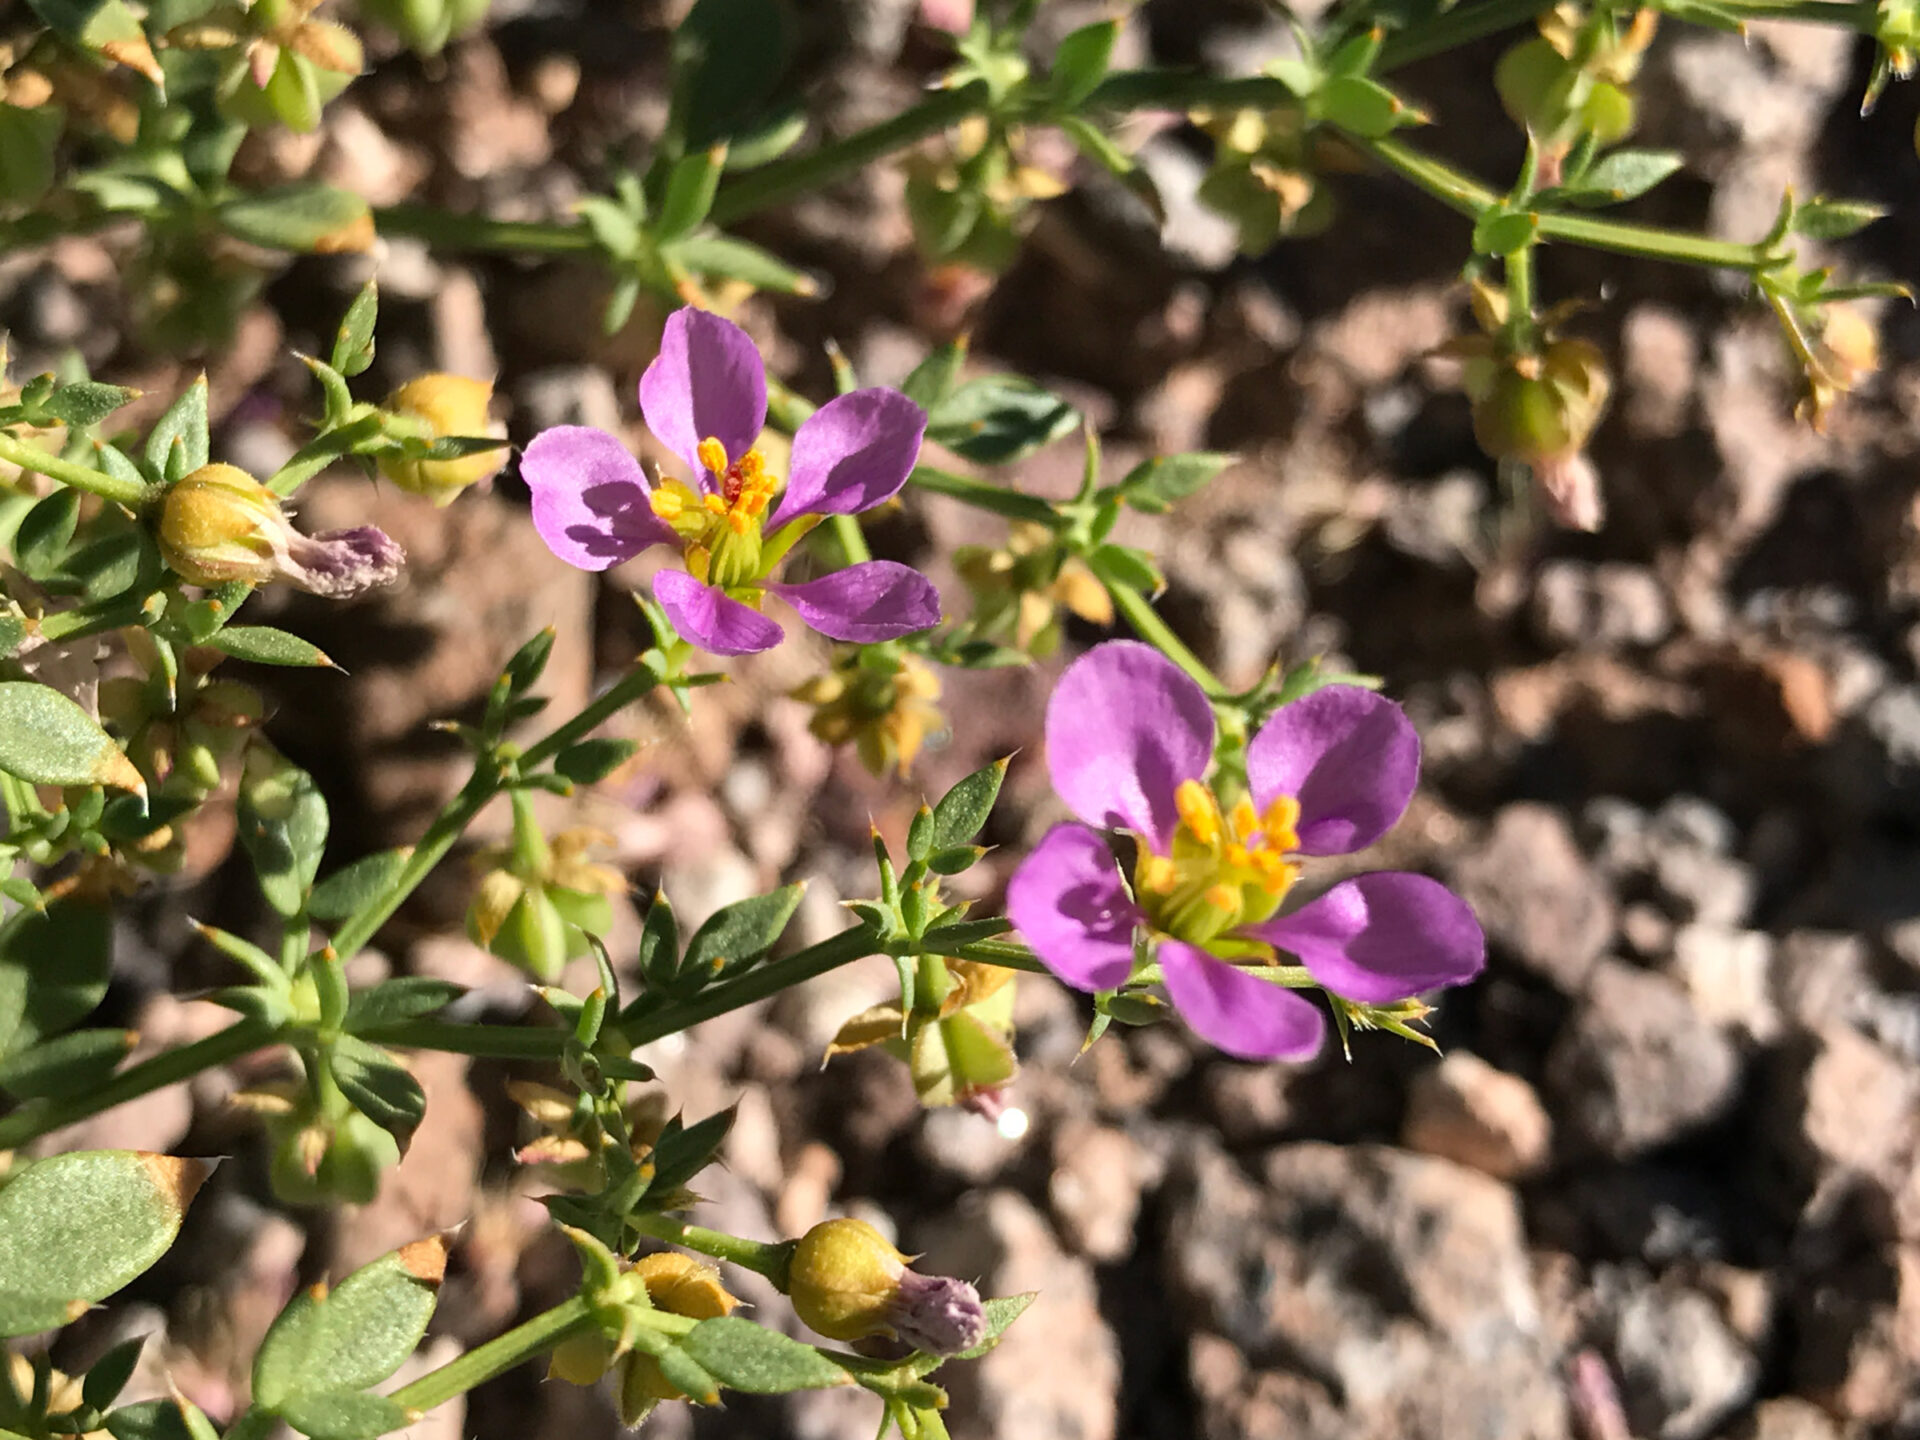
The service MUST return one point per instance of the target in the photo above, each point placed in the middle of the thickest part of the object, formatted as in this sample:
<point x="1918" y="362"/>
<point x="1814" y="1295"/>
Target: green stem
<point x="491" y="1042"/>
<point x="770" y="1260"/>
<point x="756" y="984"/>
<point x="983" y="495"/>
<point x="1007" y="954"/>
<point x="167" y="1068"/>
<point x="785" y="179"/>
<point x="485" y="783"/>
<point x="497" y="1356"/>
<point x="130" y="493"/>
<point x="1150" y="627"/>
<point x="848" y="536"/>
<point x="1458" y="26"/>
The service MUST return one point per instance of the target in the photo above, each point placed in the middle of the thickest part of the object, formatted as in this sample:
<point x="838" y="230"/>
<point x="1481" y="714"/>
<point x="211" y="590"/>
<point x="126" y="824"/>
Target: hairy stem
<point x="130" y="493"/>
<point x="497" y="1356"/>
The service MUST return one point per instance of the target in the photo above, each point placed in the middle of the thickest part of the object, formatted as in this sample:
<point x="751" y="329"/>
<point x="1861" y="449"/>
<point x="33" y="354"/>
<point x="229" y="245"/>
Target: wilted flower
<point x="1129" y="742"/>
<point x="705" y="398"/>
<point x="1020" y="588"/>
<point x="884" y="705"/>
<point x="538" y="902"/>
<point x="443" y="406"/>
<point x="219" y="524"/>
<point x="847" y="1282"/>
<point x="1837" y="347"/>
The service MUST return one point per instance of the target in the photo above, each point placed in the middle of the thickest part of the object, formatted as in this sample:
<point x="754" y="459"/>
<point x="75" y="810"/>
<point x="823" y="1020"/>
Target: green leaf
<point x="591" y="761"/>
<point x="306" y="218"/>
<point x="933" y="378"/>
<point x="1130" y="567"/>
<point x="737" y="935"/>
<point x="529" y="662"/>
<point x="109" y="1375"/>
<point x="264" y="645"/>
<point x="116" y="564"/>
<point x="1363" y="106"/>
<point x="46" y="532"/>
<point x="86" y="403"/>
<point x="1002" y="1311"/>
<point x="177" y="444"/>
<point x="729" y="57"/>
<point x="345" y="1414"/>
<point x="78" y="1227"/>
<point x="681" y="1370"/>
<point x="1501" y="232"/>
<point x="683" y="1151"/>
<point x="1834" y="219"/>
<point x="1000" y="418"/>
<point x="29" y="142"/>
<point x="353" y="345"/>
<point x="744" y="1356"/>
<point x="691" y="184"/>
<point x="723" y="257"/>
<point x="380" y="1087"/>
<point x="69" y="1064"/>
<point x="1624" y="175"/>
<point x="963" y="810"/>
<point x="347" y="890"/>
<point x="1155" y="486"/>
<point x="154" y="1420"/>
<point x="283" y="826"/>
<point x="407" y="997"/>
<point x="54" y="966"/>
<point x="354" y="1335"/>
<point x="1080" y="64"/>
<point x="659" y="943"/>
<point x="46" y="739"/>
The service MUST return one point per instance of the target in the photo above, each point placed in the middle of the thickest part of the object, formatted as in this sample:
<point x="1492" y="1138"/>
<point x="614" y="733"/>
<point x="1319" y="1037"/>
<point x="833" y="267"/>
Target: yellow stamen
<point x="715" y="505"/>
<point x="666" y="504"/>
<point x="1222" y="897"/>
<point x="1278" y="824"/>
<point x="739" y="521"/>
<point x="713" y="455"/>
<point x="1158" y="874"/>
<point x="1199" y="811"/>
<point x="1245" y="819"/>
<point x="699" y="559"/>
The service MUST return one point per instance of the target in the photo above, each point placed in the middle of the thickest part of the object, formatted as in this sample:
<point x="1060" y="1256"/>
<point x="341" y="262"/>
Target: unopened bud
<point x="443" y="406"/>
<point x="847" y="1282"/>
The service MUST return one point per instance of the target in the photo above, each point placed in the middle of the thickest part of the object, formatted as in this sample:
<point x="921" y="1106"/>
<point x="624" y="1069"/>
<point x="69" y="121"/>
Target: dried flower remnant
<point x="1130" y="740"/>
<point x="847" y="1282"/>
<point x="705" y="397"/>
<point x="219" y="525"/>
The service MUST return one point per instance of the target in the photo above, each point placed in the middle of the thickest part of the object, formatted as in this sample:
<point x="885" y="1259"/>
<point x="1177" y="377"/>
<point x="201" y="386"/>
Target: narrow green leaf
<point x="85" y="403"/>
<point x="1000" y="418"/>
<point x="1364" y="106"/>
<point x="353" y="345"/>
<point x="737" y="935"/>
<point x="1501" y="232"/>
<point x="77" y="1227"/>
<point x="69" y="1064"/>
<point x="108" y="1375"/>
<point x="1080" y="64"/>
<point x="283" y="826"/>
<point x="54" y="965"/>
<point x="305" y="218"/>
<point x="591" y="761"/>
<point x="45" y="532"/>
<point x="933" y="378"/>
<point x="46" y="739"/>
<point x="744" y="1356"/>
<point x="691" y="184"/>
<point x="724" y="257"/>
<point x="729" y="57"/>
<point x="406" y="997"/>
<point x="380" y="1087"/>
<point x="1155" y="486"/>
<point x="1834" y="219"/>
<point x="1626" y="174"/>
<point x="177" y="445"/>
<point x="659" y="944"/>
<point x="963" y="810"/>
<point x="264" y="645"/>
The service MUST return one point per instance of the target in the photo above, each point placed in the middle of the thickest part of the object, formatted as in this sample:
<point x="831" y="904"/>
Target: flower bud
<point x="219" y="525"/>
<point x="886" y="711"/>
<point x="847" y="1282"/>
<point x="442" y="406"/>
<point x="680" y="1285"/>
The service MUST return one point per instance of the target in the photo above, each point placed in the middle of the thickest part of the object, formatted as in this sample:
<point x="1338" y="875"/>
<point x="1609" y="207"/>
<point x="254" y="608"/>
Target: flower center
<point x="720" y="527"/>
<point x="1228" y="867"/>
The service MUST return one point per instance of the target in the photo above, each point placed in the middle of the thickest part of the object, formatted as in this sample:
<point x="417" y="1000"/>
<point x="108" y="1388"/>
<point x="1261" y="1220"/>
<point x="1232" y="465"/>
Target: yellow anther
<point x="713" y="455"/>
<point x="1158" y="874"/>
<point x="1278" y="824"/>
<point x="739" y="521"/>
<point x="1277" y="879"/>
<point x="1223" y="897"/>
<point x="699" y="560"/>
<point x="666" y="504"/>
<point x="715" y="505"/>
<point x="750" y="467"/>
<point x="1199" y="811"/>
<point x="1238" y="856"/>
<point x="1246" y="819"/>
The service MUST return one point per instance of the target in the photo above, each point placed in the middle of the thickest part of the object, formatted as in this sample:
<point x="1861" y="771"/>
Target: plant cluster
<point x="130" y="557"/>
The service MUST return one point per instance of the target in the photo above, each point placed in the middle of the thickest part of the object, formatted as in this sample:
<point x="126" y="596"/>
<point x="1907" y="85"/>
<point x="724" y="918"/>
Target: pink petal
<point x="1349" y="756"/>
<point x="865" y="603"/>
<point x="851" y="454"/>
<point x="1382" y="937"/>
<point x="714" y="621"/>
<point x="1242" y="1014"/>
<point x="590" y="501"/>
<point x="707" y="381"/>
<point x="1124" y="728"/>
<point x="1068" y="901"/>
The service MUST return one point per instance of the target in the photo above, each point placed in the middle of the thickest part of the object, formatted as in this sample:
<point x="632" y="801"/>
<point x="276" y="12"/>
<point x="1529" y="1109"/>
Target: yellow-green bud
<point x="846" y="1282"/>
<point x="680" y="1285"/>
<point x="443" y="406"/>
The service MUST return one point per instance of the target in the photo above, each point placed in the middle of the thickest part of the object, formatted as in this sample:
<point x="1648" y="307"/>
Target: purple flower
<point x="1129" y="742"/>
<point x="705" y="397"/>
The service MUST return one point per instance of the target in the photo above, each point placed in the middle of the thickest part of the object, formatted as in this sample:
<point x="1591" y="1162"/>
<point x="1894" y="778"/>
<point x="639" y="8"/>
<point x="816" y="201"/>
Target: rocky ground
<point x="1665" y="1182"/>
